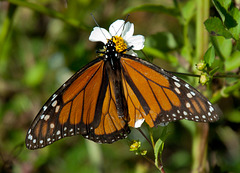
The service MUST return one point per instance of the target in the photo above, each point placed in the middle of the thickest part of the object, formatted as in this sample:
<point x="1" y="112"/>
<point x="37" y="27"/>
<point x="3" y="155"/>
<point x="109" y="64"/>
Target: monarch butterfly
<point x="114" y="92"/>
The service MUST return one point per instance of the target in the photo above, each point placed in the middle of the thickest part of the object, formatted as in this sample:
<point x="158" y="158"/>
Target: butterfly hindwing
<point x="157" y="96"/>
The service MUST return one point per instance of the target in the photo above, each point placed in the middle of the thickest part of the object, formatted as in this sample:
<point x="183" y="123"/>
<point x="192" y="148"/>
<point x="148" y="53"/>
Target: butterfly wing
<point x="83" y="105"/>
<point x="156" y="96"/>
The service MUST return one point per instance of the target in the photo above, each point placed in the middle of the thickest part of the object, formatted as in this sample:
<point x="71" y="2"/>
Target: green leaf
<point x="225" y="46"/>
<point x="233" y="62"/>
<point x="224" y="3"/>
<point x="222" y="8"/>
<point x="235" y="31"/>
<point x="214" y="26"/>
<point x="153" y="8"/>
<point x="210" y="55"/>
<point x="158" y="148"/>
<point x="188" y="10"/>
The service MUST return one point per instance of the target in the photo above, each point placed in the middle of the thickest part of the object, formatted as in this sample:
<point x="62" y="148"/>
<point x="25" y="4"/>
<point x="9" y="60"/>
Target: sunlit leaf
<point x="215" y="27"/>
<point x="235" y="30"/>
<point x="210" y="55"/>
<point x="188" y="10"/>
<point x="233" y="62"/>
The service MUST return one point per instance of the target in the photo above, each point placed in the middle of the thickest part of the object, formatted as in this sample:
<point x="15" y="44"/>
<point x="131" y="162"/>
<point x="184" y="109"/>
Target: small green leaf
<point x="235" y="30"/>
<point x="188" y="10"/>
<point x="222" y="8"/>
<point x="224" y="3"/>
<point x="153" y="8"/>
<point x="210" y="55"/>
<point x="225" y="46"/>
<point x="233" y="62"/>
<point x="158" y="149"/>
<point x="215" y="27"/>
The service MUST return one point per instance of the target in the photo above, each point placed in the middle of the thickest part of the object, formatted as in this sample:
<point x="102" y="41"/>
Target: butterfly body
<point x="112" y="93"/>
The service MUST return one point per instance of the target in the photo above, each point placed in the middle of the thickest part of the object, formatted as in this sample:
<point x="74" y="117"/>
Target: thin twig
<point x="144" y="136"/>
<point x="196" y="75"/>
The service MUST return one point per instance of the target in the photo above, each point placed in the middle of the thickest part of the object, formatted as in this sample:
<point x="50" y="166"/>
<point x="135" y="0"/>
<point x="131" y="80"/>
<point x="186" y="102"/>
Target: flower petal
<point x="128" y="30"/>
<point x="137" y="41"/>
<point x="116" y="28"/>
<point x="131" y="52"/>
<point x="99" y="34"/>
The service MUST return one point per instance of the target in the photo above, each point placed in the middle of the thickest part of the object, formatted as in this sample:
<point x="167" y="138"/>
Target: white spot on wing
<point x="30" y="137"/>
<point x="211" y="109"/>
<point x="54" y="96"/>
<point x="58" y="132"/>
<point x="193" y="93"/>
<point x="177" y="90"/>
<point x="46" y="117"/>
<point x="187" y="86"/>
<point x="57" y="109"/>
<point x="42" y="116"/>
<point x="54" y="103"/>
<point x="52" y="125"/>
<point x="44" y="108"/>
<point x="189" y="95"/>
<point x="175" y="78"/>
<point x="138" y="123"/>
<point x="188" y="105"/>
<point x="177" y="84"/>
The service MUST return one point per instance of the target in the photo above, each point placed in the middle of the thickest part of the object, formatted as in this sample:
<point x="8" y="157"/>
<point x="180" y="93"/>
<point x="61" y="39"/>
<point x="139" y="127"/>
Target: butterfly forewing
<point x="72" y="110"/>
<point x="157" y="96"/>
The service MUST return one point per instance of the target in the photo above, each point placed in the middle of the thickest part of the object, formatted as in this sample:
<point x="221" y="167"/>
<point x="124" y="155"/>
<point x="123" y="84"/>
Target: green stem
<point x="200" y="137"/>
<point x="201" y="33"/>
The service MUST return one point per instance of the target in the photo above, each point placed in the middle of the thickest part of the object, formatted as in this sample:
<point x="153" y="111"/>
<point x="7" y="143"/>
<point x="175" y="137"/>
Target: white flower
<point x="121" y="34"/>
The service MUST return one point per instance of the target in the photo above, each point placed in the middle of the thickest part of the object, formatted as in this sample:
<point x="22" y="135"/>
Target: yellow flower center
<point x="120" y="44"/>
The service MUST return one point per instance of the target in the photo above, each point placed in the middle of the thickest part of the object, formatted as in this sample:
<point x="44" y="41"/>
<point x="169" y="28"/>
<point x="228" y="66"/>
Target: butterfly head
<point x="110" y="50"/>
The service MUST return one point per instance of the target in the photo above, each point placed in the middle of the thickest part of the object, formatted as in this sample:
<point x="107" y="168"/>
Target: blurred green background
<point x="42" y="43"/>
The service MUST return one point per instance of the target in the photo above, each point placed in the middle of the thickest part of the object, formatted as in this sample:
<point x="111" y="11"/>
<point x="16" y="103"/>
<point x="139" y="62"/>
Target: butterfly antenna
<point x="98" y="25"/>
<point x="123" y="25"/>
